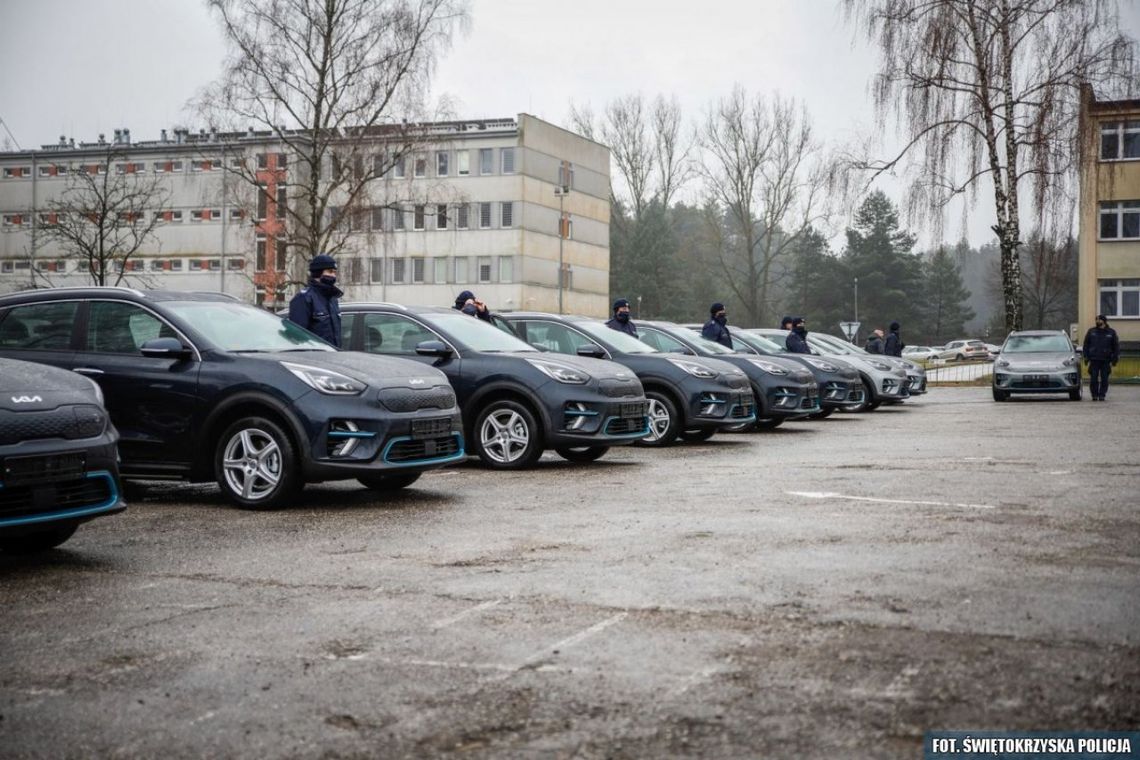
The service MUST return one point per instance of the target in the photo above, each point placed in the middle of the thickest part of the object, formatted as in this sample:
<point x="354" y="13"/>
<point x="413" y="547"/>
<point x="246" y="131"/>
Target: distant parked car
<point x="920" y="353"/>
<point x="1037" y="361"/>
<point x="57" y="445"/>
<point x="960" y="350"/>
<point x="994" y="350"/>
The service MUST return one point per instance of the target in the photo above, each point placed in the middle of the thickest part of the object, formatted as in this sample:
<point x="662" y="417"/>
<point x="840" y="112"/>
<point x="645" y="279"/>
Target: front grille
<point x="68" y="422"/>
<point x="742" y="411"/>
<point x="614" y="388"/>
<point x="411" y="400"/>
<point x="21" y="501"/>
<point x="407" y="451"/>
<point x="627" y="427"/>
<point x="809" y="402"/>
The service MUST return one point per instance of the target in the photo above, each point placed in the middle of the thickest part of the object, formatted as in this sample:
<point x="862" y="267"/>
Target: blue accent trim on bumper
<point x="751" y="418"/>
<point x="351" y="434"/>
<point x="640" y="434"/>
<point x="461" y="454"/>
<point x="44" y="517"/>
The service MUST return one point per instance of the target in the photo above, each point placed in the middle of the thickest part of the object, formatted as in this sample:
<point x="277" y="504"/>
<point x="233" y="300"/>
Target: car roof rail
<point x="69" y="288"/>
<point x="229" y="296"/>
<point x="378" y="303"/>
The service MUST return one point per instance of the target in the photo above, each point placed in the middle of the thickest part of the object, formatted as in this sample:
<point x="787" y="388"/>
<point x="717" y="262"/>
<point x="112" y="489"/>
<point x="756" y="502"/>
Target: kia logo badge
<point x="26" y="399"/>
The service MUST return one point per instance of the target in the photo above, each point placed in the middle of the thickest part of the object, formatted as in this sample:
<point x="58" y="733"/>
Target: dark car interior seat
<point x="13" y="333"/>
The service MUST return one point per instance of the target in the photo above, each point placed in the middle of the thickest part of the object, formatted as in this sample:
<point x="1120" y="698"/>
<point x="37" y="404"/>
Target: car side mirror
<point x="165" y="348"/>
<point x="683" y="351"/>
<point x="433" y="348"/>
<point x="592" y="351"/>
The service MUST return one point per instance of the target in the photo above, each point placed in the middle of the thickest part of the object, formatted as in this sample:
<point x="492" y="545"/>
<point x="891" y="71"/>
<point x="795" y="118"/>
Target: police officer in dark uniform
<point x="894" y="343"/>
<point x="716" y="329"/>
<point x="875" y="342"/>
<point x="620" y="320"/>
<point x="467" y="303"/>
<point x="316" y="307"/>
<point x="1101" y="350"/>
<point x="797" y="338"/>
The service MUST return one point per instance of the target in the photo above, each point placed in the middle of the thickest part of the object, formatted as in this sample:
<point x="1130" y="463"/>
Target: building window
<point x="421" y="166"/>
<point x="175" y="217"/>
<point x="398" y="270"/>
<point x="377" y="218"/>
<point x="280" y="249"/>
<point x="441" y="217"/>
<point x="261" y="255"/>
<point x="462" y="163"/>
<point x="508" y="159"/>
<point x="1119" y="140"/>
<point x="418" y="269"/>
<point x="197" y="215"/>
<point x="376" y="267"/>
<point x="7" y="267"/>
<point x="461" y="212"/>
<point x="262" y="203"/>
<point x="195" y="265"/>
<point x="47" y="171"/>
<point x="399" y="167"/>
<point x="157" y="265"/>
<point x="1120" y="298"/>
<point x="201" y="166"/>
<point x="235" y="264"/>
<point x="460" y="269"/>
<point x="418" y="217"/>
<point x="215" y="265"/>
<point x="15" y="172"/>
<point x="215" y="214"/>
<point x="1120" y="220"/>
<point x="484" y="264"/>
<point x="484" y="216"/>
<point x="442" y="163"/>
<point x="398" y="218"/>
<point x="506" y="214"/>
<point x="262" y="160"/>
<point x="235" y="214"/>
<point x="566" y="175"/>
<point x="176" y="265"/>
<point x="486" y="160"/>
<point x="282" y="202"/>
<point x="506" y="268"/>
<point x="440" y="274"/>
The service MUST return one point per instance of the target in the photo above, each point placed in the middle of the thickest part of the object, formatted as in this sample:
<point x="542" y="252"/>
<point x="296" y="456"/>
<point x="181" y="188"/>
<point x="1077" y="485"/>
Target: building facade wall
<point x="483" y="215"/>
<point x="1109" y="266"/>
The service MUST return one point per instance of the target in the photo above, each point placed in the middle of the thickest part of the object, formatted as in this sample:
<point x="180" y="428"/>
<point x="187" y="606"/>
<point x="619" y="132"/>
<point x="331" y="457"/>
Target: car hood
<point x="796" y="371"/>
<point x="28" y="377"/>
<point x="1044" y="360"/>
<point x="376" y="371"/>
<point x="599" y="368"/>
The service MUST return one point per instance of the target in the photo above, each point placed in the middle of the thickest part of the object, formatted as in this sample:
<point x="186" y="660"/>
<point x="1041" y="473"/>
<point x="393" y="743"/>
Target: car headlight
<point x="769" y="367"/>
<point x="1003" y="362"/>
<point x="881" y="366"/>
<point x="326" y="380"/>
<point x="1072" y="361"/>
<point x="560" y="372"/>
<point x="694" y="369"/>
<point x="821" y="364"/>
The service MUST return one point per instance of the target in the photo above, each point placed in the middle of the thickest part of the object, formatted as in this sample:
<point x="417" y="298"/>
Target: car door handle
<point x="88" y="370"/>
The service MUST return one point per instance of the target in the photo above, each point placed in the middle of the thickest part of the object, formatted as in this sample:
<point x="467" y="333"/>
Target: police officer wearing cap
<point x="716" y="329"/>
<point x="1101" y="350"/>
<point x="620" y="320"/>
<point x="316" y="307"/>
<point x="467" y="303"/>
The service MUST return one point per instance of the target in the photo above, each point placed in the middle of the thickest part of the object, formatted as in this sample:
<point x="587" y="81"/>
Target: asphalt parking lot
<point x="828" y="589"/>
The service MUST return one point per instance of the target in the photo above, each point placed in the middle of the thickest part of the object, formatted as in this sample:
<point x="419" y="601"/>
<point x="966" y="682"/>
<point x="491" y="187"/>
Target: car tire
<point x="822" y="414"/>
<point x="767" y="423"/>
<point x="582" y="454"/>
<point x="959" y="358"/>
<point x="256" y="465"/>
<point x="506" y="436"/>
<point x="1000" y="395"/>
<point x="37" y="542"/>
<point x="664" y="424"/>
<point x="867" y="404"/>
<point x="389" y="481"/>
<point x="698" y="435"/>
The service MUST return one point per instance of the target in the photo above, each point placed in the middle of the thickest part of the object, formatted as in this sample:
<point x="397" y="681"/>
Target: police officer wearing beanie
<point x="316" y="307"/>
<point x="716" y="329"/>
<point x="1101" y="350"/>
<point x="620" y="320"/>
<point x="797" y="338"/>
<point x="467" y="303"/>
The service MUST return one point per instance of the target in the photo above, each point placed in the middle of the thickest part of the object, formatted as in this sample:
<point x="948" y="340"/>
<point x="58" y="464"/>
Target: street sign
<point x="850" y="329"/>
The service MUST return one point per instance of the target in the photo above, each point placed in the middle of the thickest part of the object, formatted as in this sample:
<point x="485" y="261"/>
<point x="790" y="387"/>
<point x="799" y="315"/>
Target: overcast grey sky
<point x="78" y="68"/>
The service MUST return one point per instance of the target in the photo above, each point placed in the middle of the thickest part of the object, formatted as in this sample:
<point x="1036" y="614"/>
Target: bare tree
<point x="765" y="175"/>
<point x="1049" y="282"/>
<point x="341" y="86"/>
<point x="107" y="213"/>
<point x="988" y="90"/>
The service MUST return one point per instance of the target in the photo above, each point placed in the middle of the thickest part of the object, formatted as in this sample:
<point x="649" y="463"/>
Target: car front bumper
<point x="1053" y="381"/>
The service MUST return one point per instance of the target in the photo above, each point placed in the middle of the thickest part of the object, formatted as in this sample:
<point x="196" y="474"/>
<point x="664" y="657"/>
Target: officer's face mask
<point x="328" y="279"/>
<point x="722" y="318"/>
<point x="622" y="316"/>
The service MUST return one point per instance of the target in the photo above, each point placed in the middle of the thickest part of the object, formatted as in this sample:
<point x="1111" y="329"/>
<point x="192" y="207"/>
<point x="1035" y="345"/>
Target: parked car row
<point x="955" y="350"/>
<point x="200" y="387"/>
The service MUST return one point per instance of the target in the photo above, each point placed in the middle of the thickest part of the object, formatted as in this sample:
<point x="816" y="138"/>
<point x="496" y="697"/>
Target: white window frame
<point x="1119" y="288"/>
<point x="419" y="166"/>
<point x="483" y="264"/>
<point x="419" y="217"/>
<point x="376" y="267"/>
<point x="506" y="268"/>
<point x="440" y="270"/>
<point x="442" y="163"/>
<point x="507" y="156"/>
<point x="419" y="267"/>
<point x="507" y="214"/>
<point x="462" y="163"/>
<point x="486" y="161"/>
<point x="1119" y="129"/>
<point x="399" y="270"/>
<point x="441" y="216"/>
<point x="1119" y="210"/>
<point x="488" y="217"/>
<point x="462" y="216"/>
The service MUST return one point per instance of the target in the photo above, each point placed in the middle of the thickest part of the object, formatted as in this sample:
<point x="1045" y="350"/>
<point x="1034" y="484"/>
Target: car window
<point x="1024" y="344"/>
<point x="477" y="334"/>
<point x="556" y="337"/>
<point x="618" y="340"/>
<point x="242" y="328"/>
<point x="42" y="326"/>
<point x="662" y="341"/>
<point x="393" y="334"/>
<point x="121" y="328"/>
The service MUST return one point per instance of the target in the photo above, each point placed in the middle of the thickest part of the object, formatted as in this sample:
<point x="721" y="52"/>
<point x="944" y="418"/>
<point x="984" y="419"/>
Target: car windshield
<point x="824" y="344"/>
<point x="761" y="343"/>
<point x="1028" y="344"/>
<point x="710" y="345"/>
<point x="479" y="335"/>
<point x="241" y="328"/>
<point x="619" y="341"/>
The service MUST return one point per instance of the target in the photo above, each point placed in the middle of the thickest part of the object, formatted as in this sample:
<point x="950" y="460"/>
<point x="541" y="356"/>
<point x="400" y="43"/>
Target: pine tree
<point x="945" y="297"/>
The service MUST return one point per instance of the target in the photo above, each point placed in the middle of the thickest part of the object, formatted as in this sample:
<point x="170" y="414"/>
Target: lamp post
<point x="639" y="307"/>
<point x="561" y="191"/>
<point x="856" y="335"/>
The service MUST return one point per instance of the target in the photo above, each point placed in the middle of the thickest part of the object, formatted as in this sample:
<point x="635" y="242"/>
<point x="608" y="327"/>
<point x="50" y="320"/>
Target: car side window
<point x="121" y="328"/>
<point x="555" y="337"/>
<point x="393" y="334"/>
<point x="663" y="342"/>
<point x="43" y="327"/>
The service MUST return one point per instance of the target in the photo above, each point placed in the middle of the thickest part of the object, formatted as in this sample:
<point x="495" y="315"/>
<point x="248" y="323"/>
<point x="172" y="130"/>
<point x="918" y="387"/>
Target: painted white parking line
<point x="694" y="678"/>
<point x="443" y="623"/>
<point x="565" y="643"/>
<point x="846" y="497"/>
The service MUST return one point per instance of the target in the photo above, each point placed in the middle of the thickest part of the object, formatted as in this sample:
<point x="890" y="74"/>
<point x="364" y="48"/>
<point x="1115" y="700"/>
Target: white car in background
<point x="920" y="353"/>
<point x="961" y="350"/>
